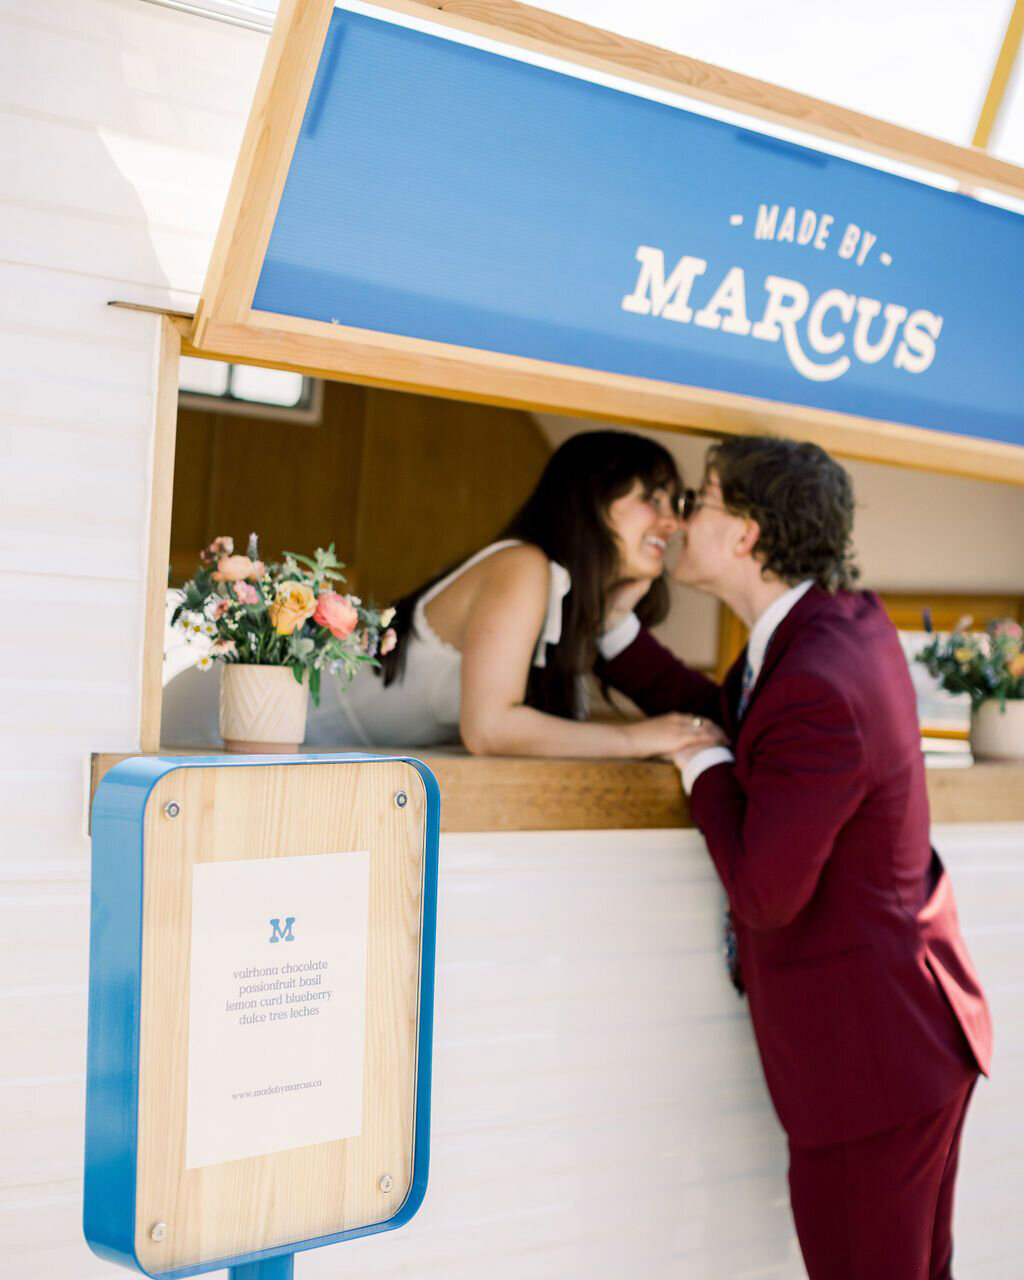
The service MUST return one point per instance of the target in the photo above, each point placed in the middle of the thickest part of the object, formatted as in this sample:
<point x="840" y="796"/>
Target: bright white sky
<point x="921" y="63"/>
<point x="925" y="64"/>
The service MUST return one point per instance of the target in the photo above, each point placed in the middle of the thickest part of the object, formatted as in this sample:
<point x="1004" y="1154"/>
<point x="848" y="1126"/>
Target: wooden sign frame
<point x="226" y="326"/>
<point x="154" y="821"/>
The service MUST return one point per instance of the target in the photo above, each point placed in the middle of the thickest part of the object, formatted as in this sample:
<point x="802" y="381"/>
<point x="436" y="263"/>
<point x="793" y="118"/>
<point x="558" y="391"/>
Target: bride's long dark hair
<point x="567" y="517"/>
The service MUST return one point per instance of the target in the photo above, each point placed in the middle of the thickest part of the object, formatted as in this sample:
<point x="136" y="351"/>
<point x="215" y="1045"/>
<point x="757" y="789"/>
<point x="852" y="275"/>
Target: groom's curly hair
<point x="801" y="498"/>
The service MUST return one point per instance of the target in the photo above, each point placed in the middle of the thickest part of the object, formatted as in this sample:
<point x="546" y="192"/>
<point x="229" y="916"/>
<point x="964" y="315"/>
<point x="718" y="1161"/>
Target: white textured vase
<point x="262" y="709"/>
<point x="996" y="734"/>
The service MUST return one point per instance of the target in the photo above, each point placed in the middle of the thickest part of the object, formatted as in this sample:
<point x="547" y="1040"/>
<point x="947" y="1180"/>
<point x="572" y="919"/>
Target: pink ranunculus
<point x="247" y="594"/>
<point x="220" y="609"/>
<point x="336" y="613"/>
<point x="222" y="546"/>
<point x="388" y="641"/>
<point x="233" y="569"/>
<point x="1008" y="628"/>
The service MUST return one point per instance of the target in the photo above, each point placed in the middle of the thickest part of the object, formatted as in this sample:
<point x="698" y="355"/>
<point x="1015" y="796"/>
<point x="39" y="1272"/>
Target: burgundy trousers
<point x="881" y="1208"/>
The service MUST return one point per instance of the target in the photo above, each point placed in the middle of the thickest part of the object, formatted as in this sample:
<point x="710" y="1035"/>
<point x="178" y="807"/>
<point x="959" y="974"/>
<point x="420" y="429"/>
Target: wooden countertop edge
<point x="497" y="793"/>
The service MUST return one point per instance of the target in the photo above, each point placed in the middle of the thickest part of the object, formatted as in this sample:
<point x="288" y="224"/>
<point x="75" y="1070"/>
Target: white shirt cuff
<point x="705" y="759"/>
<point x="621" y="636"/>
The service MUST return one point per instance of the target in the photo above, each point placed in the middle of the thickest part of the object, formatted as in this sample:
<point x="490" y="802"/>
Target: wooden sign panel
<point x="260" y="1006"/>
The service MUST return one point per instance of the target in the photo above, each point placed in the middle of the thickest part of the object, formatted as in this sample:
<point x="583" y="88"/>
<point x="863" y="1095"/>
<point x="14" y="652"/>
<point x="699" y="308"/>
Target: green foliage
<point x="323" y="567"/>
<point x="985" y="665"/>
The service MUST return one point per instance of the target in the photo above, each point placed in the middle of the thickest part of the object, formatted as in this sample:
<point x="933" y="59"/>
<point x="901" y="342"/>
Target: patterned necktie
<point x="730" y="950"/>
<point x="746" y="686"/>
<point x="729" y="946"/>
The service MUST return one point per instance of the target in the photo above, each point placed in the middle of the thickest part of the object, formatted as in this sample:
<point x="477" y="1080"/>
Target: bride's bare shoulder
<point x="519" y="571"/>
<point x="513" y="578"/>
<point x="522" y="569"/>
<point x="521" y="559"/>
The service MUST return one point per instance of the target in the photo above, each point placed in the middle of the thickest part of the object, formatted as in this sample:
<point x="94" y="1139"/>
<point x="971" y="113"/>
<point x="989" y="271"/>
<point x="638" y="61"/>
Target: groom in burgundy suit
<point x="870" y="1021"/>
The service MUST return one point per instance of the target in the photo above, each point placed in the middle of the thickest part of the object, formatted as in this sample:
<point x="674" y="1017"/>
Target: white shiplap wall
<point x="119" y="123"/>
<point x="598" y="1109"/>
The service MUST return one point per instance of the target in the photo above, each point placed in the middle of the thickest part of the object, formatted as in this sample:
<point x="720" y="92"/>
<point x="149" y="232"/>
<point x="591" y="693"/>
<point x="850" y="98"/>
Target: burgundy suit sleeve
<point x="805" y="775"/>
<point x="657" y="681"/>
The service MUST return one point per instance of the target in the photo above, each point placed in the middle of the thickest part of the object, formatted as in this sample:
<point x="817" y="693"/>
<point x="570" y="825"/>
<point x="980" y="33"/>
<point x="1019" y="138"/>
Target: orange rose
<point x="1016" y="667"/>
<point x="295" y="602"/>
<point x="237" y="569"/>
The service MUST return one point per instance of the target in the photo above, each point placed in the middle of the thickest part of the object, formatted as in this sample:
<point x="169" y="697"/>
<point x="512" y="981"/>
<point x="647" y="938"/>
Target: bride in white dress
<point x="493" y="652"/>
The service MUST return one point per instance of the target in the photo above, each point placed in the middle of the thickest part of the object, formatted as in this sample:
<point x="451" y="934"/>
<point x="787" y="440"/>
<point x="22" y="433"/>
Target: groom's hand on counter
<point x="703" y="734"/>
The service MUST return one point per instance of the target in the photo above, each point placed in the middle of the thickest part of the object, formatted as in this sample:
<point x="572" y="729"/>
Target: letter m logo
<point x="654" y="295"/>
<point x="285" y="934"/>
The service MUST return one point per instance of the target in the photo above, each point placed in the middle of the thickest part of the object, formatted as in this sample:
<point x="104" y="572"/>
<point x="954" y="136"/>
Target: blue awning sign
<point x="489" y="199"/>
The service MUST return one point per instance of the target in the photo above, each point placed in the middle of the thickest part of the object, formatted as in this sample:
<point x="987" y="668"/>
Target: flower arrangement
<point x="284" y="615"/>
<point x="986" y="665"/>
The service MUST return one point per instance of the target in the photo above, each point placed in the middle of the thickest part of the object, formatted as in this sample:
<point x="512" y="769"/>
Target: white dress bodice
<point x="422" y="707"/>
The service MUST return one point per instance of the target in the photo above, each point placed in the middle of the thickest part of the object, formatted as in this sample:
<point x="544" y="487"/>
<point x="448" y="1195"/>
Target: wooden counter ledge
<point x="496" y="793"/>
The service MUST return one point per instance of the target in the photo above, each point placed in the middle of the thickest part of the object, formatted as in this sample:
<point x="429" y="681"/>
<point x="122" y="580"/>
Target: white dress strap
<point x="551" y="632"/>
<point x="559" y="584"/>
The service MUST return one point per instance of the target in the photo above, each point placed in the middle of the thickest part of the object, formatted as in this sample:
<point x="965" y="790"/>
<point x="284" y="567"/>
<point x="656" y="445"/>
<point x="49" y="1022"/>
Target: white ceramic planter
<point x="996" y="734"/>
<point x="262" y="709"/>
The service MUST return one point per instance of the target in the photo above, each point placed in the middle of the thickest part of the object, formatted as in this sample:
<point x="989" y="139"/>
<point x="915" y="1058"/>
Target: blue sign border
<point x="115" y="959"/>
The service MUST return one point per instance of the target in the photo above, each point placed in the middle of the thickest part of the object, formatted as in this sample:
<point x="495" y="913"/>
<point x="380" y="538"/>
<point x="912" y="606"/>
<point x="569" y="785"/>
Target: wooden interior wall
<point x="439" y="479"/>
<point x="402" y="484"/>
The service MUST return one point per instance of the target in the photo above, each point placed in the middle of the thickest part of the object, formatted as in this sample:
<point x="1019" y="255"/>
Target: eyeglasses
<point x="691" y="502"/>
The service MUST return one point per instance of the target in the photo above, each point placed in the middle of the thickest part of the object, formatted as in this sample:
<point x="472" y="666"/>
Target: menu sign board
<point x="277" y="1004"/>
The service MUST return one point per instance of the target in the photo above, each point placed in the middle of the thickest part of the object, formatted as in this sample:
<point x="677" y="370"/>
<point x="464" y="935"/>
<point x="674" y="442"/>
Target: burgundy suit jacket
<point x="866" y="1008"/>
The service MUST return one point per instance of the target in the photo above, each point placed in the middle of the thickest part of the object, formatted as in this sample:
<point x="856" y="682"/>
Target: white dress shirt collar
<point x="766" y="624"/>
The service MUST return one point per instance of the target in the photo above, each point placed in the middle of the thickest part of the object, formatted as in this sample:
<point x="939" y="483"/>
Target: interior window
<point x="212" y="384"/>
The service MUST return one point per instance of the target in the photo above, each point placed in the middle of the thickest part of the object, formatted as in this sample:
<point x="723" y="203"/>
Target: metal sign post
<point x="280" y="1268"/>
